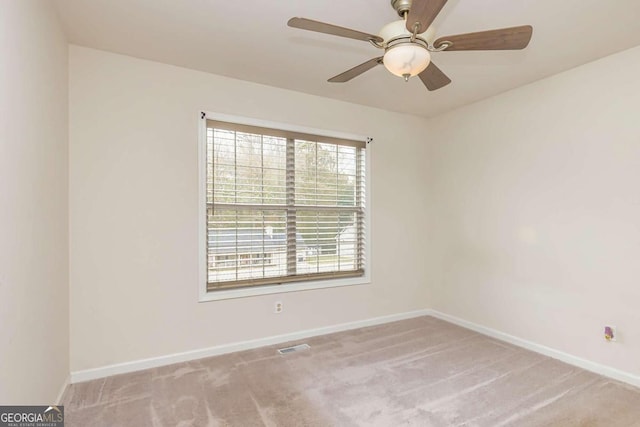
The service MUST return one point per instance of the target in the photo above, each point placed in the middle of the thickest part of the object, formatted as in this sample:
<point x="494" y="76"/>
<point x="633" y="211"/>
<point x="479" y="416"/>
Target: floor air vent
<point x="293" y="349"/>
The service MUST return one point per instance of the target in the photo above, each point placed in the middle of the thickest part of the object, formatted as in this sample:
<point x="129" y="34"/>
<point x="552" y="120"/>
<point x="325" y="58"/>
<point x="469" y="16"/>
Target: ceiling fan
<point x="408" y="42"/>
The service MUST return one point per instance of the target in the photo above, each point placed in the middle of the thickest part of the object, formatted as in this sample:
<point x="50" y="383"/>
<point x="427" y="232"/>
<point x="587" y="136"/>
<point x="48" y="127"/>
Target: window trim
<point x="221" y="294"/>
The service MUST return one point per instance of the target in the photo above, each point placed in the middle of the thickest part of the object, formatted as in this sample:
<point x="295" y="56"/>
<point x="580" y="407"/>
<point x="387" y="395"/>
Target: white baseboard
<point x="588" y="365"/>
<point x="154" y="362"/>
<point x="62" y="390"/>
<point x="138" y="365"/>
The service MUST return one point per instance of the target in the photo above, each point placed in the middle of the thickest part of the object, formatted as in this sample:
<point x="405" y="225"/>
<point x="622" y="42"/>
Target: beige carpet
<point x="418" y="372"/>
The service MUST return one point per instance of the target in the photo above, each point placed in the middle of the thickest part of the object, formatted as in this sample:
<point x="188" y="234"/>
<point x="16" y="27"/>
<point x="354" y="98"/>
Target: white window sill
<point x="279" y="289"/>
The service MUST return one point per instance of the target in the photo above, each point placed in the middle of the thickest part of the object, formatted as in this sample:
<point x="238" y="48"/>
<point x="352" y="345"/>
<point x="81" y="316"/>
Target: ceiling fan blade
<point x="321" y="27"/>
<point x="356" y="71"/>
<point x="513" y="38"/>
<point x="433" y="78"/>
<point x="423" y="13"/>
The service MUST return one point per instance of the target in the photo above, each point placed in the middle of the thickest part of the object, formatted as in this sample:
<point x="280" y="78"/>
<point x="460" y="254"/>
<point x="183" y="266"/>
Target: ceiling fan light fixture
<point x="406" y="59"/>
<point x="409" y="41"/>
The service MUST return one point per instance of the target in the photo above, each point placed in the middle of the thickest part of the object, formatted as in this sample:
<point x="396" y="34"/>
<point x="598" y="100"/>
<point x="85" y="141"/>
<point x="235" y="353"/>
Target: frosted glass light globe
<point x="406" y="59"/>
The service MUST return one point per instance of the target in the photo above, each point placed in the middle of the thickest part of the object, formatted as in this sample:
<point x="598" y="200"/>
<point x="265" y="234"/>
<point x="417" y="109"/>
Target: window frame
<point x="221" y="294"/>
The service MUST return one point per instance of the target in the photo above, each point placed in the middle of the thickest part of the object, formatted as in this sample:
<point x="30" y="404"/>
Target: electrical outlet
<point x="278" y="307"/>
<point x="610" y="333"/>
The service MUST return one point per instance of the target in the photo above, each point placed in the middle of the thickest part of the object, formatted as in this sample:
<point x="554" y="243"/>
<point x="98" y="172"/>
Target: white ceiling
<point x="249" y="40"/>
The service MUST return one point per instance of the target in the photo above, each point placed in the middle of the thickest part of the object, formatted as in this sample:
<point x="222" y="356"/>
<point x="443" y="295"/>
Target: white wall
<point x="34" y="316"/>
<point x="536" y="227"/>
<point x="134" y="211"/>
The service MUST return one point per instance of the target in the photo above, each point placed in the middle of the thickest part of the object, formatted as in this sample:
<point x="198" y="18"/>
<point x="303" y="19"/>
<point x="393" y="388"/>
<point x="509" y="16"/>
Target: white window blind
<point x="282" y="206"/>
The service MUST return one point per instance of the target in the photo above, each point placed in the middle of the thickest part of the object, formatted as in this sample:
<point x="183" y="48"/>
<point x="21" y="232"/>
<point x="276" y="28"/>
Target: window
<point x="282" y="207"/>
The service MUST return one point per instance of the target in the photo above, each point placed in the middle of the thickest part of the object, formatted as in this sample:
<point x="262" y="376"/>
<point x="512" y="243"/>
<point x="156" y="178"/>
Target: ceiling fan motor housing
<point x="397" y="29"/>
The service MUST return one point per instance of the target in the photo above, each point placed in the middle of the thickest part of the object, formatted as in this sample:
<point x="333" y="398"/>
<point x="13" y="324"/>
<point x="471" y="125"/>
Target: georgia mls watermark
<point x="31" y="416"/>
